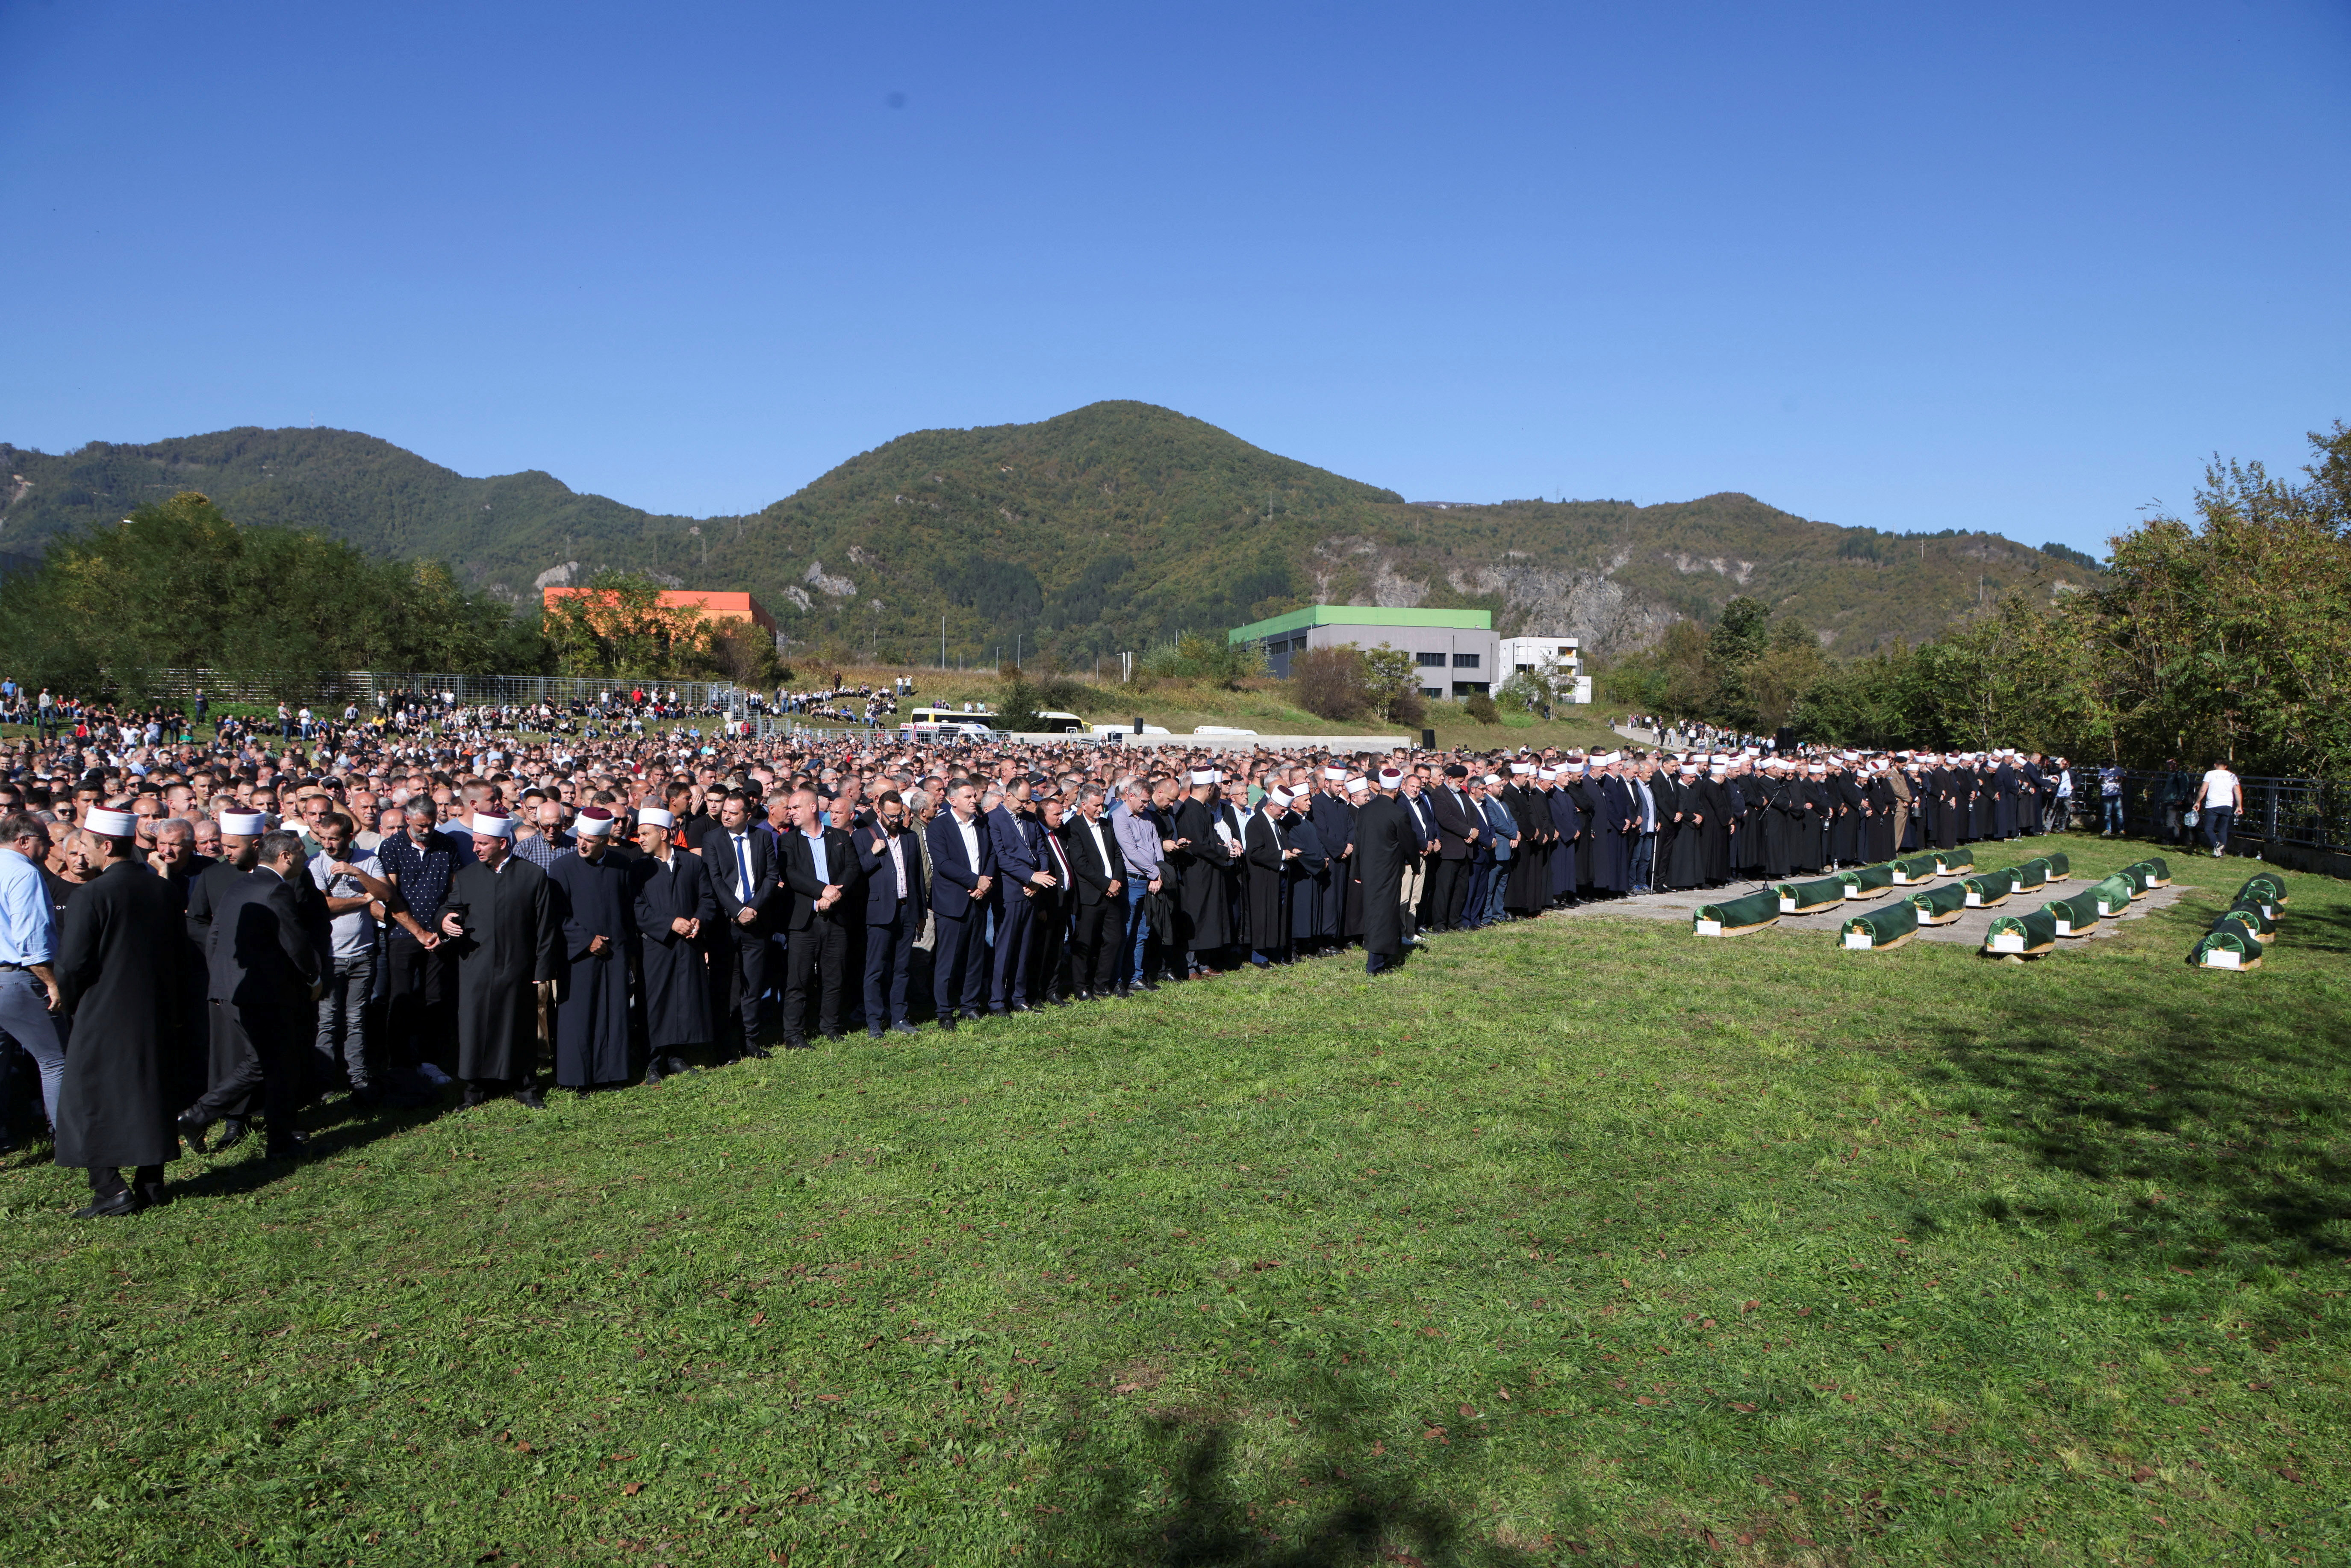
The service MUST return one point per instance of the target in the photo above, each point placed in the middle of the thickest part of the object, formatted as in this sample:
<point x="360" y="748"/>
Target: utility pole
<point x="943" y="643"/>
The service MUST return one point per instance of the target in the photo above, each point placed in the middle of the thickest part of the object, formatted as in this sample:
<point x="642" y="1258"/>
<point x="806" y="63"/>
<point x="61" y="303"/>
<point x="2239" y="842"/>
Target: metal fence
<point x="323" y="688"/>
<point x="2308" y="813"/>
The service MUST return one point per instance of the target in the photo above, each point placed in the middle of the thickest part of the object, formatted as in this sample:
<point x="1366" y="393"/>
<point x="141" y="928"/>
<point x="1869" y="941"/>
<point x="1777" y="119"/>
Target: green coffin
<point x="2262" y="920"/>
<point x="1992" y="887"/>
<point x="1951" y="862"/>
<point x="1917" y="868"/>
<point x="1942" y="906"/>
<point x="2075" y="916"/>
<point x="2033" y="932"/>
<point x="2226" y="950"/>
<point x="2155" y="869"/>
<point x="2113" y="895"/>
<point x="2061" y="866"/>
<point x="2266" y="888"/>
<point x="2246" y="921"/>
<point x="1809" y="897"/>
<point x="1866" y="881"/>
<point x="1733" y="916"/>
<point x="2032" y="876"/>
<point x="1889" y="927"/>
<point x="2140" y="876"/>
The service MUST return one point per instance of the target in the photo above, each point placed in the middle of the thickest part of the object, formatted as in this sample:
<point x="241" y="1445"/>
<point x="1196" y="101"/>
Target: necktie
<point x="743" y="865"/>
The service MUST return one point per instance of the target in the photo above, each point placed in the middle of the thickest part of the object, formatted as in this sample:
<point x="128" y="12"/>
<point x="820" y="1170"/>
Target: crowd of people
<point x="196" y="941"/>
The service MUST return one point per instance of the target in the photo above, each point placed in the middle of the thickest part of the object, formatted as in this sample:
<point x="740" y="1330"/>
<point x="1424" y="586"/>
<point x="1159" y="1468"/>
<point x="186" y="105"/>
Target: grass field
<point x="1582" y="1240"/>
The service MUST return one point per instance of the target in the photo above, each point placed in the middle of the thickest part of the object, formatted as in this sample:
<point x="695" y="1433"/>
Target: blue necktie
<point x="743" y="864"/>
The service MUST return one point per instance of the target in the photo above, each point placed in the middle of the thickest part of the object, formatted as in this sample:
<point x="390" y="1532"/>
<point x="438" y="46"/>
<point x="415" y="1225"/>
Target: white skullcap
<point x="1204" y="775"/>
<point x="1390" y="778"/>
<point x="1334" y="774"/>
<point x="243" y="824"/>
<point x="1279" y="796"/>
<point x="1522" y="767"/>
<point x="654" y="817"/>
<point x="489" y="827"/>
<point x="1546" y="772"/>
<point x="1358" y="786"/>
<point x="108" y="825"/>
<point x="1690" y="767"/>
<point x="594" y="823"/>
<point x="1492" y="780"/>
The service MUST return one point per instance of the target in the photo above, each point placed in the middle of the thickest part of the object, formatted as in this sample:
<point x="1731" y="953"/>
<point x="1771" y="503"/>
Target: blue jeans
<point x="26" y="1020"/>
<point x="2114" y="814"/>
<point x="1138" y="933"/>
<point x="342" y="1019"/>
<point x="2217" y="820"/>
<point x="1501" y="883"/>
<point x="1644" y="855"/>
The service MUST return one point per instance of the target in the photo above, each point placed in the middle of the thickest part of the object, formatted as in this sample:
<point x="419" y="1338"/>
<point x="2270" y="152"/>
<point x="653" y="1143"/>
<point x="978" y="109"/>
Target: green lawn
<point x="1584" y="1240"/>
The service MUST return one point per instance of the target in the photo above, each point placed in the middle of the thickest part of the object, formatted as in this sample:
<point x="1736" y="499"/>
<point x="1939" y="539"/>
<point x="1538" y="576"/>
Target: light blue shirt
<point x="816" y="853"/>
<point x="28" y="926"/>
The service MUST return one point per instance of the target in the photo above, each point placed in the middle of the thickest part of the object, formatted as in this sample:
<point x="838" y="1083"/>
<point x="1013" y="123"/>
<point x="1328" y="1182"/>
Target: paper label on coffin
<point x="1975" y="900"/>
<point x="2269" y="912"/>
<point x="1787" y="906"/>
<point x="1853" y="892"/>
<point x="2065" y="928"/>
<point x="1858" y="940"/>
<point x="2008" y="941"/>
<point x="2105" y="908"/>
<point x="2221" y="958"/>
<point x="1710" y="927"/>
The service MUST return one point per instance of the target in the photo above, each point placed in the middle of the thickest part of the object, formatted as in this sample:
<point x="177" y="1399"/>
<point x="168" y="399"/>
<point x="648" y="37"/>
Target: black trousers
<point x="739" y="979"/>
<point x="1449" y="888"/>
<point x="280" y="1044"/>
<point x="815" y="958"/>
<point x="1096" y="934"/>
<point x="959" y="962"/>
<point x="106" y="1181"/>
<point x="1048" y="940"/>
<point x="889" y="961"/>
<point x="420" y="1014"/>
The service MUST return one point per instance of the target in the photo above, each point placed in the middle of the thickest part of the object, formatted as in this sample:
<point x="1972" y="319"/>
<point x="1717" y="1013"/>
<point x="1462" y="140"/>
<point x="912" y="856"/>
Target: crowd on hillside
<point x="197" y="938"/>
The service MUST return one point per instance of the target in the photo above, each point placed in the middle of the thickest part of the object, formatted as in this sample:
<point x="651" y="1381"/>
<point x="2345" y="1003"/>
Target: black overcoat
<point x="672" y="968"/>
<point x="512" y="940"/>
<point x="122" y="956"/>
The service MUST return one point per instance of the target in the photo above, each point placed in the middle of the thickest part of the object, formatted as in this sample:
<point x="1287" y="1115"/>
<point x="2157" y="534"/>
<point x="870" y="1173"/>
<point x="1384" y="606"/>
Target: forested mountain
<point x="1104" y="528"/>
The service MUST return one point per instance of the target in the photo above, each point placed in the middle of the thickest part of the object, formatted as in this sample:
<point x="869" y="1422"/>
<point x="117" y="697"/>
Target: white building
<point x="1562" y="653"/>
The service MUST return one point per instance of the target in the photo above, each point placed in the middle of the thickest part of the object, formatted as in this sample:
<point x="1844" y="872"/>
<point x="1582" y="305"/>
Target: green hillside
<point x="1105" y="529"/>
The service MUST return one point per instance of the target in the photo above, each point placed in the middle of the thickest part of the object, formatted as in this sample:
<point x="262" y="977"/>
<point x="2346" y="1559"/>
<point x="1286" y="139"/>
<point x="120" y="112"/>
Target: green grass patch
<point x="1579" y="1241"/>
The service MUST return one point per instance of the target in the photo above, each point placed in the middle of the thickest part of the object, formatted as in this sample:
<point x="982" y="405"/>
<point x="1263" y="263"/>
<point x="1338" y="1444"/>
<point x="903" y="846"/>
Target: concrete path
<point x="1968" y="929"/>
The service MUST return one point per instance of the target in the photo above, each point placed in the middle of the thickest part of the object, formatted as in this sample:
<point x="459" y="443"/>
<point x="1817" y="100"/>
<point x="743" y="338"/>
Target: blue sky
<point x="2017" y="268"/>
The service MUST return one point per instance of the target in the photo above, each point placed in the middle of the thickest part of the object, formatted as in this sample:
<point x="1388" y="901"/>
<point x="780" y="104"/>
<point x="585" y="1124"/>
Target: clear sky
<point x="2017" y="267"/>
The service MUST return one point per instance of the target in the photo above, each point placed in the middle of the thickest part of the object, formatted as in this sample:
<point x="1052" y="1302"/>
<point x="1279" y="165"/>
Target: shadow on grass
<point x="2234" y="1117"/>
<point x="1197" y="1488"/>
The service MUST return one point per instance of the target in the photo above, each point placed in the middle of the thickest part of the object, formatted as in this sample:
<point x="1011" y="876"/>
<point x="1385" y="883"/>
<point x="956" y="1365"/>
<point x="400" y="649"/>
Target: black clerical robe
<point x="512" y="943"/>
<point x="120" y="962"/>
<point x="1386" y="843"/>
<point x="593" y="899"/>
<point x="671" y="969"/>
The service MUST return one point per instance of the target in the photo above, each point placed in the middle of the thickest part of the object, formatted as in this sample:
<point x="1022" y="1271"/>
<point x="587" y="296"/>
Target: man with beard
<point x="1458" y="836"/>
<point x="674" y="905"/>
<point x="1388" y="842"/>
<point x="1268" y="854"/>
<point x="891" y="864"/>
<point x="118" y="982"/>
<point x="267" y="964"/>
<point x="1333" y="819"/>
<point x="215" y="1056"/>
<point x="500" y="926"/>
<point x="1568" y="830"/>
<point x="1200" y="857"/>
<point x="1615" y="825"/>
<point x="1013" y="835"/>
<point x="596" y="908"/>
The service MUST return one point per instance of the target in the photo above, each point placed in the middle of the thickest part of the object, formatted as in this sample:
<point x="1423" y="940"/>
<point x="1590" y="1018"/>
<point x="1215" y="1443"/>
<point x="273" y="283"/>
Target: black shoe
<point x="291" y="1147"/>
<point x="903" y="1027"/>
<point x="233" y="1130"/>
<point x="651" y="1079"/>
<point x="121" y="1203"/>
<point x="792" y="1042"/>
<point x="875" y="1031"/>
<point x="1020" y="1008"/>
<point x="152" y="1194"/>
<point x="193" y="1127"/>
<point x="529" y="1098"/>
<point x="837" y="1034"/>
<point x="947" y="1022"/>
<point x="758" y="1054"/>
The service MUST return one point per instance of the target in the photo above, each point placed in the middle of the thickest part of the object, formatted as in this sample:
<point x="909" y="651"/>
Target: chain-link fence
<point x="2308" y="813"/>
<point x="329" y="688"/>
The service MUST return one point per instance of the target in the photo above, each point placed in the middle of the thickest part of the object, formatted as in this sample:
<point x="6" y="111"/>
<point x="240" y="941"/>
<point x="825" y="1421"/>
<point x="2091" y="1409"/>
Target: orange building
<point x="716" y="604"/>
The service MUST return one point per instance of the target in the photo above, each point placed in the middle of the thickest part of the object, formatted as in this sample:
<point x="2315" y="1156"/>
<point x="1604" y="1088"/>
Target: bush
<point x="1331" y="683"/>
<point x="1481" y="707"/>
<point x="1196" y="657"/>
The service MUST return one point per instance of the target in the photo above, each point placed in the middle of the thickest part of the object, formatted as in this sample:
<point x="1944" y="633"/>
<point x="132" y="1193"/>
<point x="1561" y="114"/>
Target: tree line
<point x="179" y="585"/>
<point x="2223" y="634"/>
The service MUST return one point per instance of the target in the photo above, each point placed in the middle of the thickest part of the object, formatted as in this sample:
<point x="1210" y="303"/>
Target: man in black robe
<point x="117" y="970"/>
<point x="1333" y="821"/>
<point x="500" y="926"/>
<point x="1268" y="854"/>
<point x="1386" y="841"/>
<point x="674" y="905"/>
<point x="267" y="962"/>
<point x="214" y="1058"/>
<point x="1201" y="858"/>
<point x="596" y="906"/>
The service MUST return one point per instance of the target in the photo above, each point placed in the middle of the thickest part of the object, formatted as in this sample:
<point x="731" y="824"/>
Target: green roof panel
<point x="1361" y="615"/>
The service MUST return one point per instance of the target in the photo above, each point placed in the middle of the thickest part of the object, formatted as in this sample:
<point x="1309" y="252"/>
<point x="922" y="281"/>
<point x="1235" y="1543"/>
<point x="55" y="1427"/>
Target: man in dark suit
<point x="743" y="874"/>
<point x="819" y="870"/>
<point x="266" y="968"/>
<point x="1457" y="830"/>
<point x="963" y="871"/>
<point x="1015" y="837"/>
<point x="1049" y="925"/>
<point x="1101" y="898"/>
<point x="894" y="900"/>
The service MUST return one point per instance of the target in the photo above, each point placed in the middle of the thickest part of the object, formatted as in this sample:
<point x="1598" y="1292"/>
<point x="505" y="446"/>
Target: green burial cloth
<point x="2264" y="921"/>
<point x="1950" y="863"/>
<point x="1809" y="897"/>
<point x="1917" y="868"/>
<point x="2226" y="950"/>
<point x="1733" y="915"/>
<point x="2033" y="932"/>
<point x="2114" y="894"/>
<point x="1868" y="880"/>
<point x="2075" y="916"/>
<point x="2031" y="876"/>
<point x="1941" y="905"/>
<point x="1887" y="928"/>
<point x="2264" y="887"/>
<point x="2140" y="876"/>
<point x="1988" y="889"/>
<point x="2155" y="870"/>
<point x="2061" y="866"/>
<point x="2248" y="921"/>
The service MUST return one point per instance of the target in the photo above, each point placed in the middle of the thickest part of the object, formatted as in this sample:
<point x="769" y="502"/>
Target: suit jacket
<point x="881" y="903"/>
<point x="1013" y="837"/>
<point x="1455" y="820"/>
<point x="1423" y="820"/>
<point x="719" y="859"/>
<point x="1086" y="867"/>
<point x="804" y="887"/>
<point x="952" y="876"/>
<point x="264" y="959"/>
